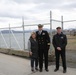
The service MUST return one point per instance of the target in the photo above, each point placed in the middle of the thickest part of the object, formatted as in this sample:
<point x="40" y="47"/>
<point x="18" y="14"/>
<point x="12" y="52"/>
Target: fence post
<point x="9" y="37"/>
<point x="23" y="33"/>
<point x="62" y="22"/>
<point x="51" y="30"/>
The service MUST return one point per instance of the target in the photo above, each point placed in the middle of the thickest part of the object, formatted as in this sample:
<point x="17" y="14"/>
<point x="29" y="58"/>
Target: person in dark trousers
<point x="33" y="51"/>
<point x="59" y="43"/>
<point x="43" y="46"/>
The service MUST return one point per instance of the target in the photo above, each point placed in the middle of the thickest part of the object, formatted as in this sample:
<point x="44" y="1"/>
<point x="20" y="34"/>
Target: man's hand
<point x="30" y="53"/>
<point x="58" y="48"/>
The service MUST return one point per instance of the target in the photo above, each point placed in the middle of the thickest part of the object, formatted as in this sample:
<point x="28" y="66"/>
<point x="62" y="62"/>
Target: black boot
<point x="56" y="70"/>
<point x="64" y="71"/>
<point x="40" y="70"/>
<point x="36" y="69"/>
<point x="47" y="70"/>
<point x="32" y="69"/>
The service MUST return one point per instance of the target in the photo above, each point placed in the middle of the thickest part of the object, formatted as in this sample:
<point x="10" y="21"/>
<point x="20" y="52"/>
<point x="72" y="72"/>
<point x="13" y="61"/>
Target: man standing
<point x="43" y="46"/>
<point x="59" y="43"/>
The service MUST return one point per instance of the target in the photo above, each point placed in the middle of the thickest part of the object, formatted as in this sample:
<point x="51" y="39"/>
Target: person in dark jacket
<point x="59" y="43"/>
<point x="43" y="39"/>
<point x="33" y="51"/>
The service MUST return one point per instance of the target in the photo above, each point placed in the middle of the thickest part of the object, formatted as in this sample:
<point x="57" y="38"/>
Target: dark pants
<point x="34" y="61"/>
<point x="41" y="54"/>
<point x="63" y="56"/>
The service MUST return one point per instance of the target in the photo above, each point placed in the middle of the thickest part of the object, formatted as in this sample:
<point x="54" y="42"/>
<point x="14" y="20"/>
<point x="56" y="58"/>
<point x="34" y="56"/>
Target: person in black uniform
<point x="43" y="39"/>
<point x="59" y="43"/>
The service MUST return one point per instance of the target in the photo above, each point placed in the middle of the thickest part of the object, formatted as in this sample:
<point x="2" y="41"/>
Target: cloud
<point x="37" y="1"/>
<point x="68" y="6"/>
<point x="35" y="11"/>
<point x="14" y="10"/>
<point x="19" y="8"/>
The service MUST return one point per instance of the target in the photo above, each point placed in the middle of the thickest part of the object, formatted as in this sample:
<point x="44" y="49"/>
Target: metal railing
<point x="11" y="34"/>
<point x="20" y="40"/>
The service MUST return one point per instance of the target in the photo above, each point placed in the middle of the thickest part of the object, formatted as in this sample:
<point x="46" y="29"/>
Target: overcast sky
<point x="35" y="11"/>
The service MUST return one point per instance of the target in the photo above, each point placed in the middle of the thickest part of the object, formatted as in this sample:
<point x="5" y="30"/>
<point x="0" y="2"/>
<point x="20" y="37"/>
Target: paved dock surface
<point x="12" y="65"/>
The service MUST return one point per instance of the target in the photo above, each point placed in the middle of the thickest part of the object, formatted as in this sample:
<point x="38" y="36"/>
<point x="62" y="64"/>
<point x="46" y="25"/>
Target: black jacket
<point x="59" y="40"/>
<point x="43" y="40"/>
<point x="34" y="48"/>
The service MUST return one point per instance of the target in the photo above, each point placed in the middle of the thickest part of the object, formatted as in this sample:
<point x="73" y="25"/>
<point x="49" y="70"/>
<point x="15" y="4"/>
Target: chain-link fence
<point x="17" y="37"/>
<point x="71" y="34"/>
